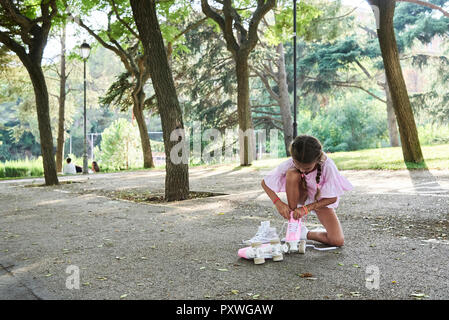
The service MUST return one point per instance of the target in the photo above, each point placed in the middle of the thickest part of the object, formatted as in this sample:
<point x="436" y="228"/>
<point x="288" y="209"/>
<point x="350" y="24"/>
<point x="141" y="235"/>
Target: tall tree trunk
<point x="34" y="33"/>
<point x="391" y="117"/>
<point x="43" y="118"/>
<point x="411" y="148"/>
<point x="177" y="174"/>
<point x="240" y="47"/>
<point x="138" y="100"/>
<point x="246" y="136"/>
<point x="284" y="98"/>
<point x="62" y="96"/>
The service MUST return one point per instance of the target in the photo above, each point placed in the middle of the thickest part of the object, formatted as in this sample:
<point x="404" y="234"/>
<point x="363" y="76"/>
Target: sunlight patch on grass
<point x="436" y="157"/>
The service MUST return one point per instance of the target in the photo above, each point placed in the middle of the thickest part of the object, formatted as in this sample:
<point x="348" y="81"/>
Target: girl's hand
<point x="283" y="209"/>
<point x="299" y="213"/>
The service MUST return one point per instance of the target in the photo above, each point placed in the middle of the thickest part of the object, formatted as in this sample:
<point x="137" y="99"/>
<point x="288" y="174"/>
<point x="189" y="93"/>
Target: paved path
<point x="395" y="222"/>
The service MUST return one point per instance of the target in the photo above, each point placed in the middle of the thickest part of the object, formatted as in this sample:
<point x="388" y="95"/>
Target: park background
<point x="343" y="96"/>
<point x="173" y="64"/>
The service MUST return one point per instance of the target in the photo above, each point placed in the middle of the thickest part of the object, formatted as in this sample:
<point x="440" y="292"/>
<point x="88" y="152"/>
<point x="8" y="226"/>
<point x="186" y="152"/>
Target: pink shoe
<point x="293" y="236"/>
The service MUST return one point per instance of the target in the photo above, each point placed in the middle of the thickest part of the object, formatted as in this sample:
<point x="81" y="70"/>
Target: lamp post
<point x="295" y="125"/>
<point x="85" y="51"/>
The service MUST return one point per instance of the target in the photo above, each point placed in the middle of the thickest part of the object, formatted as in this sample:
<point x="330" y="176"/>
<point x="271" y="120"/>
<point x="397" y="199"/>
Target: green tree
<point x="412" y="24"/>
<point x="205" y="79"/>
<point x="270" y="66"/>
<point x="120" y="148"/>
<point x="120" y="37"/>
<point x="177" y="174"/>
<point x="411" y="147"/>
<point x="390" y="48"/>
<point x="25" y="28"/>
<point x="61" y="97"/>
<point x="243" y="23"/>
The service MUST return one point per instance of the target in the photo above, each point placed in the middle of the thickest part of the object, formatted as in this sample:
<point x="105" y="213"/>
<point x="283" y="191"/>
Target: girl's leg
<point x="295" y="194"/>
<point x="334" y="234"/>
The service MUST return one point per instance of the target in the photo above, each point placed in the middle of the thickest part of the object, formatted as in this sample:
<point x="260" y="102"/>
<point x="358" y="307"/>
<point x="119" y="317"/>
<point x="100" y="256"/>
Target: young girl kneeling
<point x="312" y="182"/>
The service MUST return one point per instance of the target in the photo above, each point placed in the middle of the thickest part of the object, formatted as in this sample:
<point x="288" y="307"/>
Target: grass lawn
<point x="436" y="157"/>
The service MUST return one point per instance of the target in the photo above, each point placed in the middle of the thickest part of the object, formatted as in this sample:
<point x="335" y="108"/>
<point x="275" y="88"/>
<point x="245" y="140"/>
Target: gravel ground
<point x="396" y="222"/>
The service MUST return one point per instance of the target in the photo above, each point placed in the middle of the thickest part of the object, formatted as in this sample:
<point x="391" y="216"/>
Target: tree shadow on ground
<point x="423" y="180"/>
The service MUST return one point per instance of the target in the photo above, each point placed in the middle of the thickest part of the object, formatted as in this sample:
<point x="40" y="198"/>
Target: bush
<point x="345" y="125"/>
<point x="13" y="171"/>
<point x="120" y="146"/>
<point x="433" y="134"/>
<point x="21" y="168"/>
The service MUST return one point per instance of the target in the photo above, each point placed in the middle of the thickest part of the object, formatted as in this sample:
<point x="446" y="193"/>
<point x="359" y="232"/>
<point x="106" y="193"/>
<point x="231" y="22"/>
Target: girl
<point x="95" y="167"/>
<point x="312" y="182"/>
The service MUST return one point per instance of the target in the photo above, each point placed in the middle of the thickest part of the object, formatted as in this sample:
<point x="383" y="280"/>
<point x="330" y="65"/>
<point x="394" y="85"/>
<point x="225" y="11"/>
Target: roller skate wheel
<point x="278" y="258"/>
<point x="302" y="246"/>
<point x="292" y="247"/>
<point x="259" y="260"/>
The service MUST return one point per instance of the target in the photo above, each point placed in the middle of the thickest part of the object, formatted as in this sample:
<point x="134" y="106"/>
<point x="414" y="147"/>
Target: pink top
<point x="332" y="183"/>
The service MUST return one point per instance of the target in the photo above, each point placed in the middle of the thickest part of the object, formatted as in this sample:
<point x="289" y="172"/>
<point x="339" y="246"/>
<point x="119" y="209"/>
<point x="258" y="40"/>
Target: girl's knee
<point x="292" y="175"/>
<point x="337" y="242"/>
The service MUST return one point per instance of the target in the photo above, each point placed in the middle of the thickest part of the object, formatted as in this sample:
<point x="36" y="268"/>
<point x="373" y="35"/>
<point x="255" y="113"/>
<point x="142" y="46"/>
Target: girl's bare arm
<point x="321" y="203"/>
<point x="300" y="212"/>
<point x="282" y="208"/>
<point x="271" y="194"/>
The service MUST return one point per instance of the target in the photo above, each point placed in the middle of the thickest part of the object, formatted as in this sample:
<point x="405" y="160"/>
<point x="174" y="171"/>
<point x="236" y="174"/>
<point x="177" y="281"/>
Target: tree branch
<point x="12" y="45"/>
<point x="428" y="5"/>
<point x="270" y="120"/>
<point x="191" y="27"/>
<point x="363" y="69"/>
<point x="265" y="106"/>
<point x="266" y="112"/>
<point x="15" y="14"/>
<point x="262" y="8"/>
<point x="122" y="55"/>
<point x="348" y="85"/>
<point x="267" y="86"/>
<point x="129" y="59"/>
<point x="369" y="31"/>
<point x="123" y="22"/>
<point x="339" y="17"/>
<point x="223" y="24"/>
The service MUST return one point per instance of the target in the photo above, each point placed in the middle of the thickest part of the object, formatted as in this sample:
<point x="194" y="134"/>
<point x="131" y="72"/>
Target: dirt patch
<point x="44" y="185"/>
<point x="411" y="228"/>
<point x="151" y="197"/>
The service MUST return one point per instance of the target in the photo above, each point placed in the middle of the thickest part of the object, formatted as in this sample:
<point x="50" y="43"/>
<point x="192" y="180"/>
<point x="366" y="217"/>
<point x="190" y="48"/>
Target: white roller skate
<point x="264" y="234"/>
<point x="261" y="251"/>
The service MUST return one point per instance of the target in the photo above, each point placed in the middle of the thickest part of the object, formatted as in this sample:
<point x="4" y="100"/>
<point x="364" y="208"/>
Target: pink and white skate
<point x="292" y="238"/>
<point x="261" y="251"/>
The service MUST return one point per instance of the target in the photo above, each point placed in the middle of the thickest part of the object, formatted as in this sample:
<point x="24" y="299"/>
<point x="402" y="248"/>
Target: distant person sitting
<point x="95" y="167"/>
<point x="69" y="167"/>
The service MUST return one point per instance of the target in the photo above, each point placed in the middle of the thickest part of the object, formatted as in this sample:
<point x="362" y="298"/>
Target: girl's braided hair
<point x="308" y="149"/>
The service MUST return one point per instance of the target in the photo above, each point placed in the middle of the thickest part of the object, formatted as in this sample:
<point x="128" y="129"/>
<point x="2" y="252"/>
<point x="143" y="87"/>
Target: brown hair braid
<point x="308" y="149"/>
